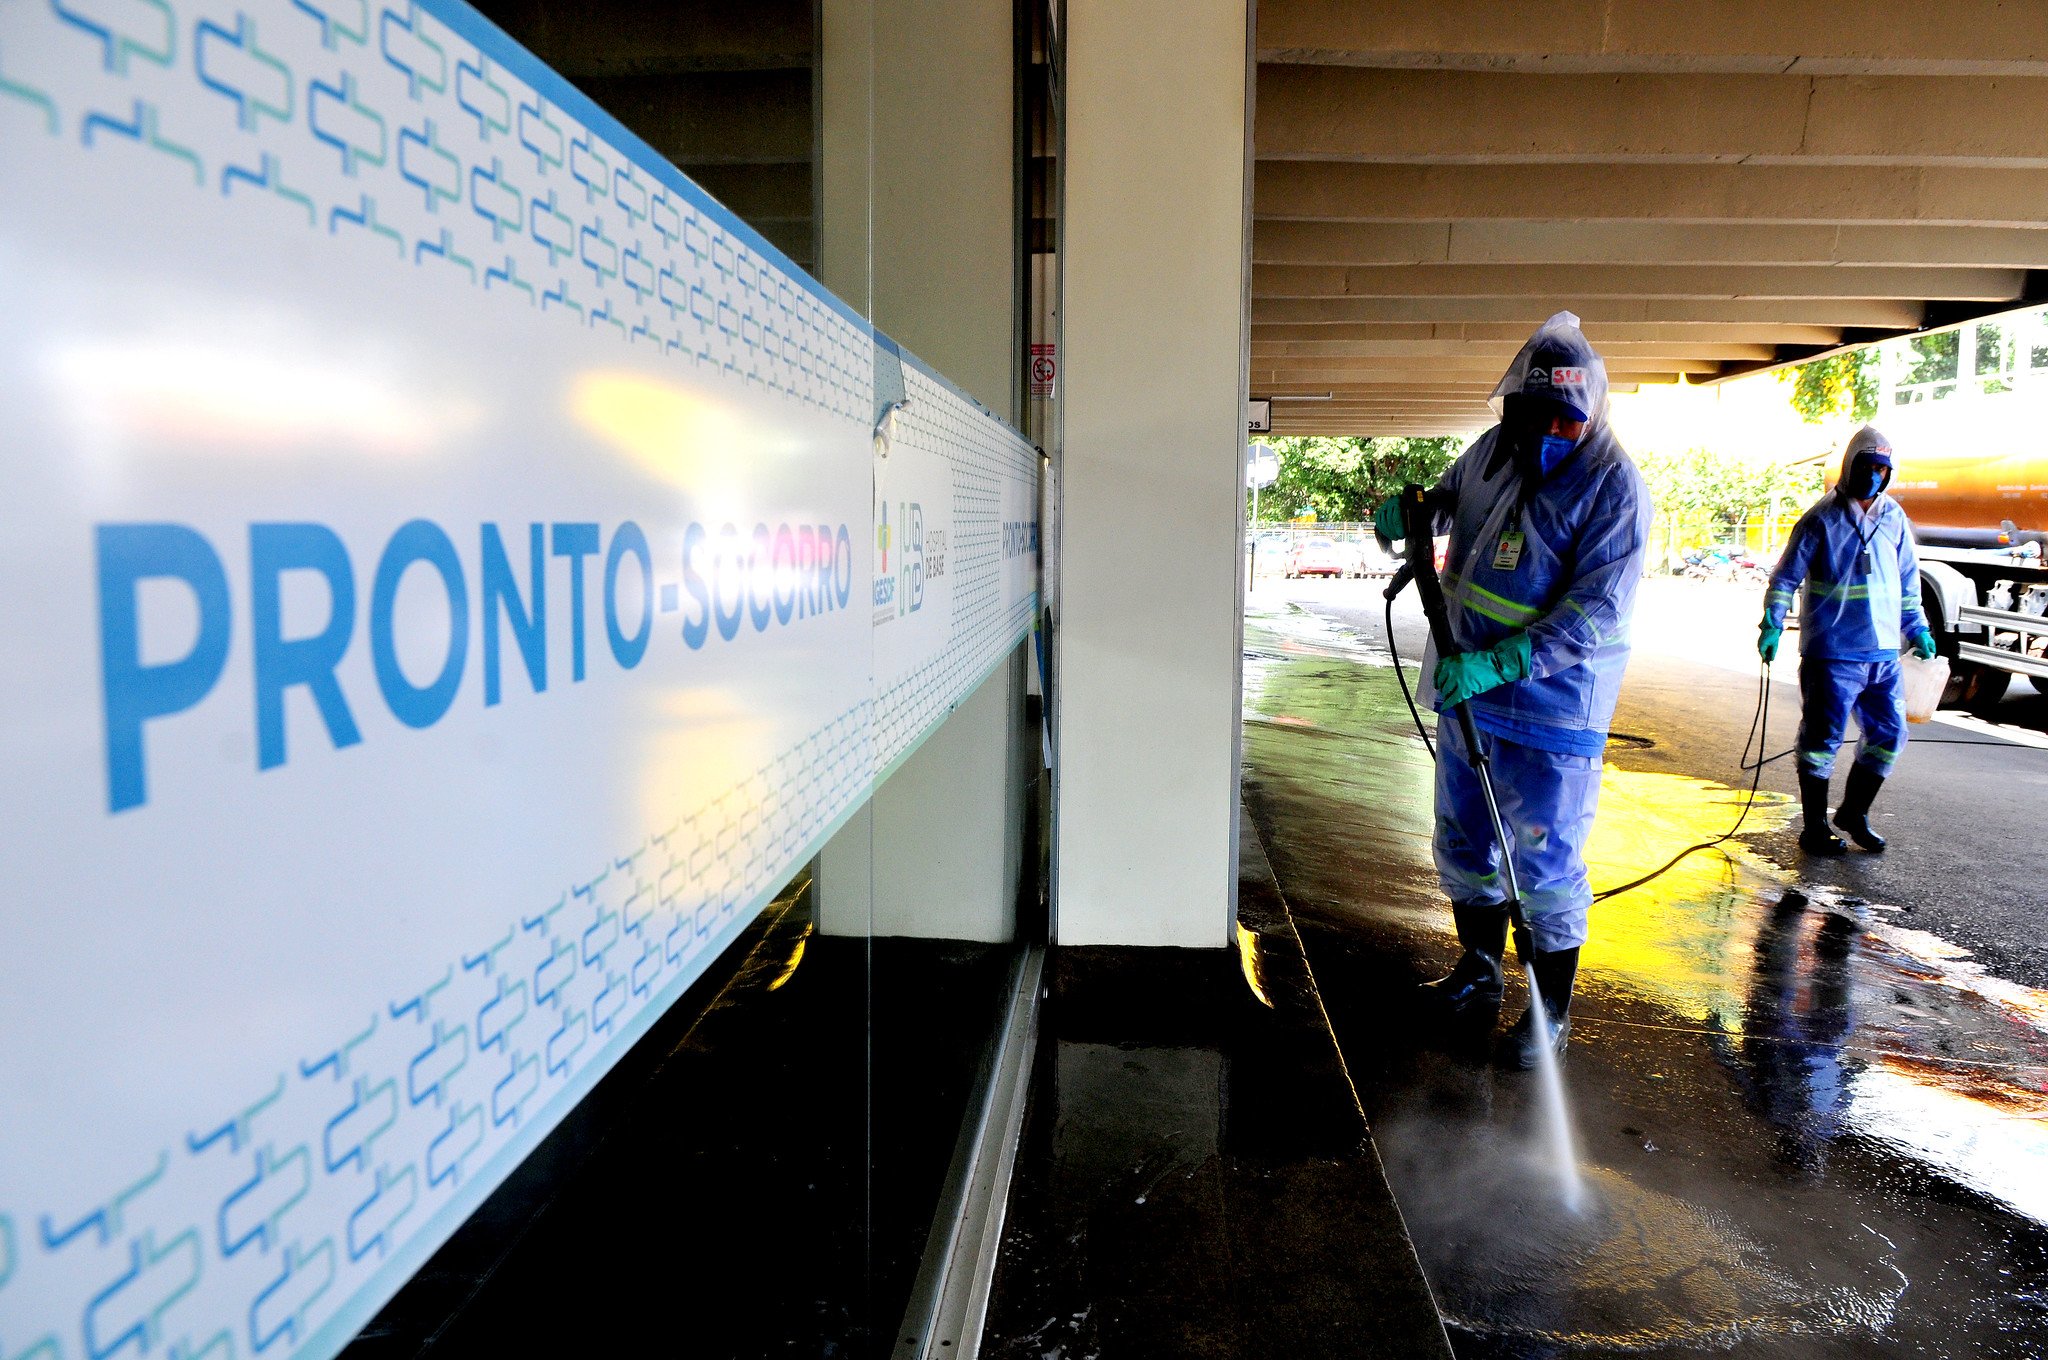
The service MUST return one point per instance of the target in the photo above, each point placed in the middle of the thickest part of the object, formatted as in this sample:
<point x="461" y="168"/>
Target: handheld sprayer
<point x="1419" y="539"/>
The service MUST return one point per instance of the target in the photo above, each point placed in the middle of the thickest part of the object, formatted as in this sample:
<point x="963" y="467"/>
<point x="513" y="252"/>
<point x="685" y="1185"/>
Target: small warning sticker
<point x="1044" y="368"/>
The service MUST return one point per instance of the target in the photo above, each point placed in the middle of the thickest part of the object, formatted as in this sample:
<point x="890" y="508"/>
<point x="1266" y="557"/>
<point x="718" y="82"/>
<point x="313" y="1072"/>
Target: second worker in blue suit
<point x="1548" y="521"/>
<point x="1851" y="560"/>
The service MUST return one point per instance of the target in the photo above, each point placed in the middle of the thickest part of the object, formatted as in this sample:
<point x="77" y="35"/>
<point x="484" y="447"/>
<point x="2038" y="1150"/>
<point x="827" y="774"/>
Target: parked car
<point x="1372" y="561"/>
<point x="1320" y="557"/>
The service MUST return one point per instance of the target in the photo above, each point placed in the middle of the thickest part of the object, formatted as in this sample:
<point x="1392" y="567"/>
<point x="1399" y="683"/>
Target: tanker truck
<point x="1973" y="477"/>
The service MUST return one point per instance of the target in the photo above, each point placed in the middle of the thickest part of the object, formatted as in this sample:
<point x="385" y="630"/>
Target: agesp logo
<point x="901" y="591"/>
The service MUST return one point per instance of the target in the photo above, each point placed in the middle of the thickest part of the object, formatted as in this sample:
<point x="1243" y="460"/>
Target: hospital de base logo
<point x="903" y="562"/>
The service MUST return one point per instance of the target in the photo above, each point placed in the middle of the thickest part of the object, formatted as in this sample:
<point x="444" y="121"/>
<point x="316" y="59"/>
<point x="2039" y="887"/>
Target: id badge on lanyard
<point x="1508" y="555"/>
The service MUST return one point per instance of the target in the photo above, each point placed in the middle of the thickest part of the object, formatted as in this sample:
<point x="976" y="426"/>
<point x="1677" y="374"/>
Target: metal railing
<point x="1269" y="546"/>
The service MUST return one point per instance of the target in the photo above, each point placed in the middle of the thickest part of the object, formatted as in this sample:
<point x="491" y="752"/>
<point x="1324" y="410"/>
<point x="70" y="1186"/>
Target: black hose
<point x="1759" y="729"/>
<point x="1401" y="674"/>
<point x="1759" y="726"/>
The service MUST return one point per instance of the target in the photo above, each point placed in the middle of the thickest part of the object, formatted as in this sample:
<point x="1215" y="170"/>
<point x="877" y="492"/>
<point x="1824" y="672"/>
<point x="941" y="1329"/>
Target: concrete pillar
<point x="1153" y="235"/>
<point x="918" y="222"/>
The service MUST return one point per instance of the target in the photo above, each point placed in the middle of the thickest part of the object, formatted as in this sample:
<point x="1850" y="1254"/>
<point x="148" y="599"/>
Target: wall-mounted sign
<point x="456" y="573"/>
<point x="1261" y="421"/>
<point x="1044" y="369"/>
<point x="1261" y="466"/>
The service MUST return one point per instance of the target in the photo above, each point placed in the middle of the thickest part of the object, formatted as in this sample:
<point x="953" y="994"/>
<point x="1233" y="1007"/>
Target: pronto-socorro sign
<point x="441" y="547"/>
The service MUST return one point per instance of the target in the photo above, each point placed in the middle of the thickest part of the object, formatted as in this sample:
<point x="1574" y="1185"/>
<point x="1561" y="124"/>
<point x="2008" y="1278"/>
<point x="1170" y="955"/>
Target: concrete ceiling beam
<point x="1478" y="419"/>
<point x="1339" y="113"/>
<point x="1379" y="424"/>
<point x="1528" y="312"/>
<point x="1384" y="398"/>
<point x="1398" y="400"/>
<point x="1395" y="430"/>
<point x="1436" y="372"/>
<point x="1959" y="37"/>
<point x="1648" y="243"/>
<point x="1702" y="282"/>
<point x="1761" y="333"/>
<point x="1448" y="367"/>
<point x="1820" y="195"/>
<point x="1493" y="351"/>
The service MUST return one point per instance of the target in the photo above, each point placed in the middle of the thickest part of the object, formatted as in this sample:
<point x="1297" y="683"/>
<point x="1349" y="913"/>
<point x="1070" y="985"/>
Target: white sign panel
<point x="456" y="572"/>
<point x="1261" y="467"/>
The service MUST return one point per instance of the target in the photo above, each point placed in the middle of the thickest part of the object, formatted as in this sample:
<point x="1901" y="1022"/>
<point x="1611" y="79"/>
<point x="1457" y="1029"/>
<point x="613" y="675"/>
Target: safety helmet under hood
<point x="1558" y="365"/>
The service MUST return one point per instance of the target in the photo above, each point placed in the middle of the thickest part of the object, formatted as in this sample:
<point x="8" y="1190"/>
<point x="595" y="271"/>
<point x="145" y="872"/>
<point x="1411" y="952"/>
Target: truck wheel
<point x="1974" y="687"/>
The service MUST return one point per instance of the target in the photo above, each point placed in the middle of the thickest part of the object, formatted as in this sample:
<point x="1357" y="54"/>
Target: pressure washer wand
<point x="1418" y="525"/>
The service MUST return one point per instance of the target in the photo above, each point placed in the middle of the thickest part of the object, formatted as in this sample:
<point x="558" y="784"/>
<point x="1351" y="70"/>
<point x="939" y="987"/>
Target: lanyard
<point x="1863" y="541"/>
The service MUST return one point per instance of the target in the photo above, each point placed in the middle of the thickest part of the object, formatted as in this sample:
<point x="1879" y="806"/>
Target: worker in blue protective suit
<point x="1851" y="557"/>
<point x="1548" y="521"/>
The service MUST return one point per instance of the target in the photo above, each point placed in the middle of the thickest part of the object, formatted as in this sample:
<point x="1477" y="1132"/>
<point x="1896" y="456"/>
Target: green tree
<point x="1703" y="493"/>
<point x="1345" y="479"/>
<point x="1836" y="385"/>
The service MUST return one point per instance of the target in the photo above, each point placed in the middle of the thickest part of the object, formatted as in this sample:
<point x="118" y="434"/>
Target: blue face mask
<point x="1865" y="480"/>
<point x="1555" y="449"/>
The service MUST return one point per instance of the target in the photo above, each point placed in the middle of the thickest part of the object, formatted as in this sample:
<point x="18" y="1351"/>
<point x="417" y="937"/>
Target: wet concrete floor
<point x="1808" y="1130"/>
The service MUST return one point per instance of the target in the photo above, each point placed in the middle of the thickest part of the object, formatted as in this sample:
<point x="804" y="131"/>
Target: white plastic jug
<point x="1925" y="680"/>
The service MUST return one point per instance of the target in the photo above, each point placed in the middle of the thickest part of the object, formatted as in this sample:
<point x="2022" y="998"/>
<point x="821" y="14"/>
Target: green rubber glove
<point x="1387" y="519"/>
<point x="1460" y="677"/>
<point x="1923" y="646"/>
<point x="1767" y="642"/>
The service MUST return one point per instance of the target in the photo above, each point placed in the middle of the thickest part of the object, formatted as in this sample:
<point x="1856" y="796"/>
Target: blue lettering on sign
<point x="134" y="693"/>
<point x="778" y="576"/>
<point x="1020" y="538"/>
<point x="273" y="550"/>
<point x="627" y="651"/>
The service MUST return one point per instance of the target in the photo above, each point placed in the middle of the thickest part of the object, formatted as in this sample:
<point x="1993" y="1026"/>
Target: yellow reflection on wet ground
<point x="1679" y="938"/>
<point x="1248" y="961"/>
<point x="795" y="959"/>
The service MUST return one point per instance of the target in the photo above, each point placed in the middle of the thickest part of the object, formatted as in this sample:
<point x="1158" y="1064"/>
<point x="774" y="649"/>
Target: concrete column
<point x="918" y="216"/>
<point x="1153" y="333"/>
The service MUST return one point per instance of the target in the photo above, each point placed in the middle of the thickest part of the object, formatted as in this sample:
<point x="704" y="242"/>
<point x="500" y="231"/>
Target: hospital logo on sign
<point x="901" y="591"/>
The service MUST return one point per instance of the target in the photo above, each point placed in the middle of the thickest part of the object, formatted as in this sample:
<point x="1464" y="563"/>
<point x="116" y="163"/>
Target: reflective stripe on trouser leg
<point x="1467" y="861"/>
<point x="1826" y="689"/>
<point x="1548" y="801"/>
<point x="1881" y="716"/>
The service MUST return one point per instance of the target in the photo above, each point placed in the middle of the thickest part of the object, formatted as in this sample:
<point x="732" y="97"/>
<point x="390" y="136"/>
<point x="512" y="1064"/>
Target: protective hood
<point x="1870" y="444"/>
<point x="1557" y="364"/>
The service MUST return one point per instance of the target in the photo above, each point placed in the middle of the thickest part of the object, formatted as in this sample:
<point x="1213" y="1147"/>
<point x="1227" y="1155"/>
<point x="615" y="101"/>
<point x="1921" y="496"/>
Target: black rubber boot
<point x="1816" y="839"/>
<point x="1853" y="816"/>
<point x="1474" y="983"/>
<point x="1555" y="972"/>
